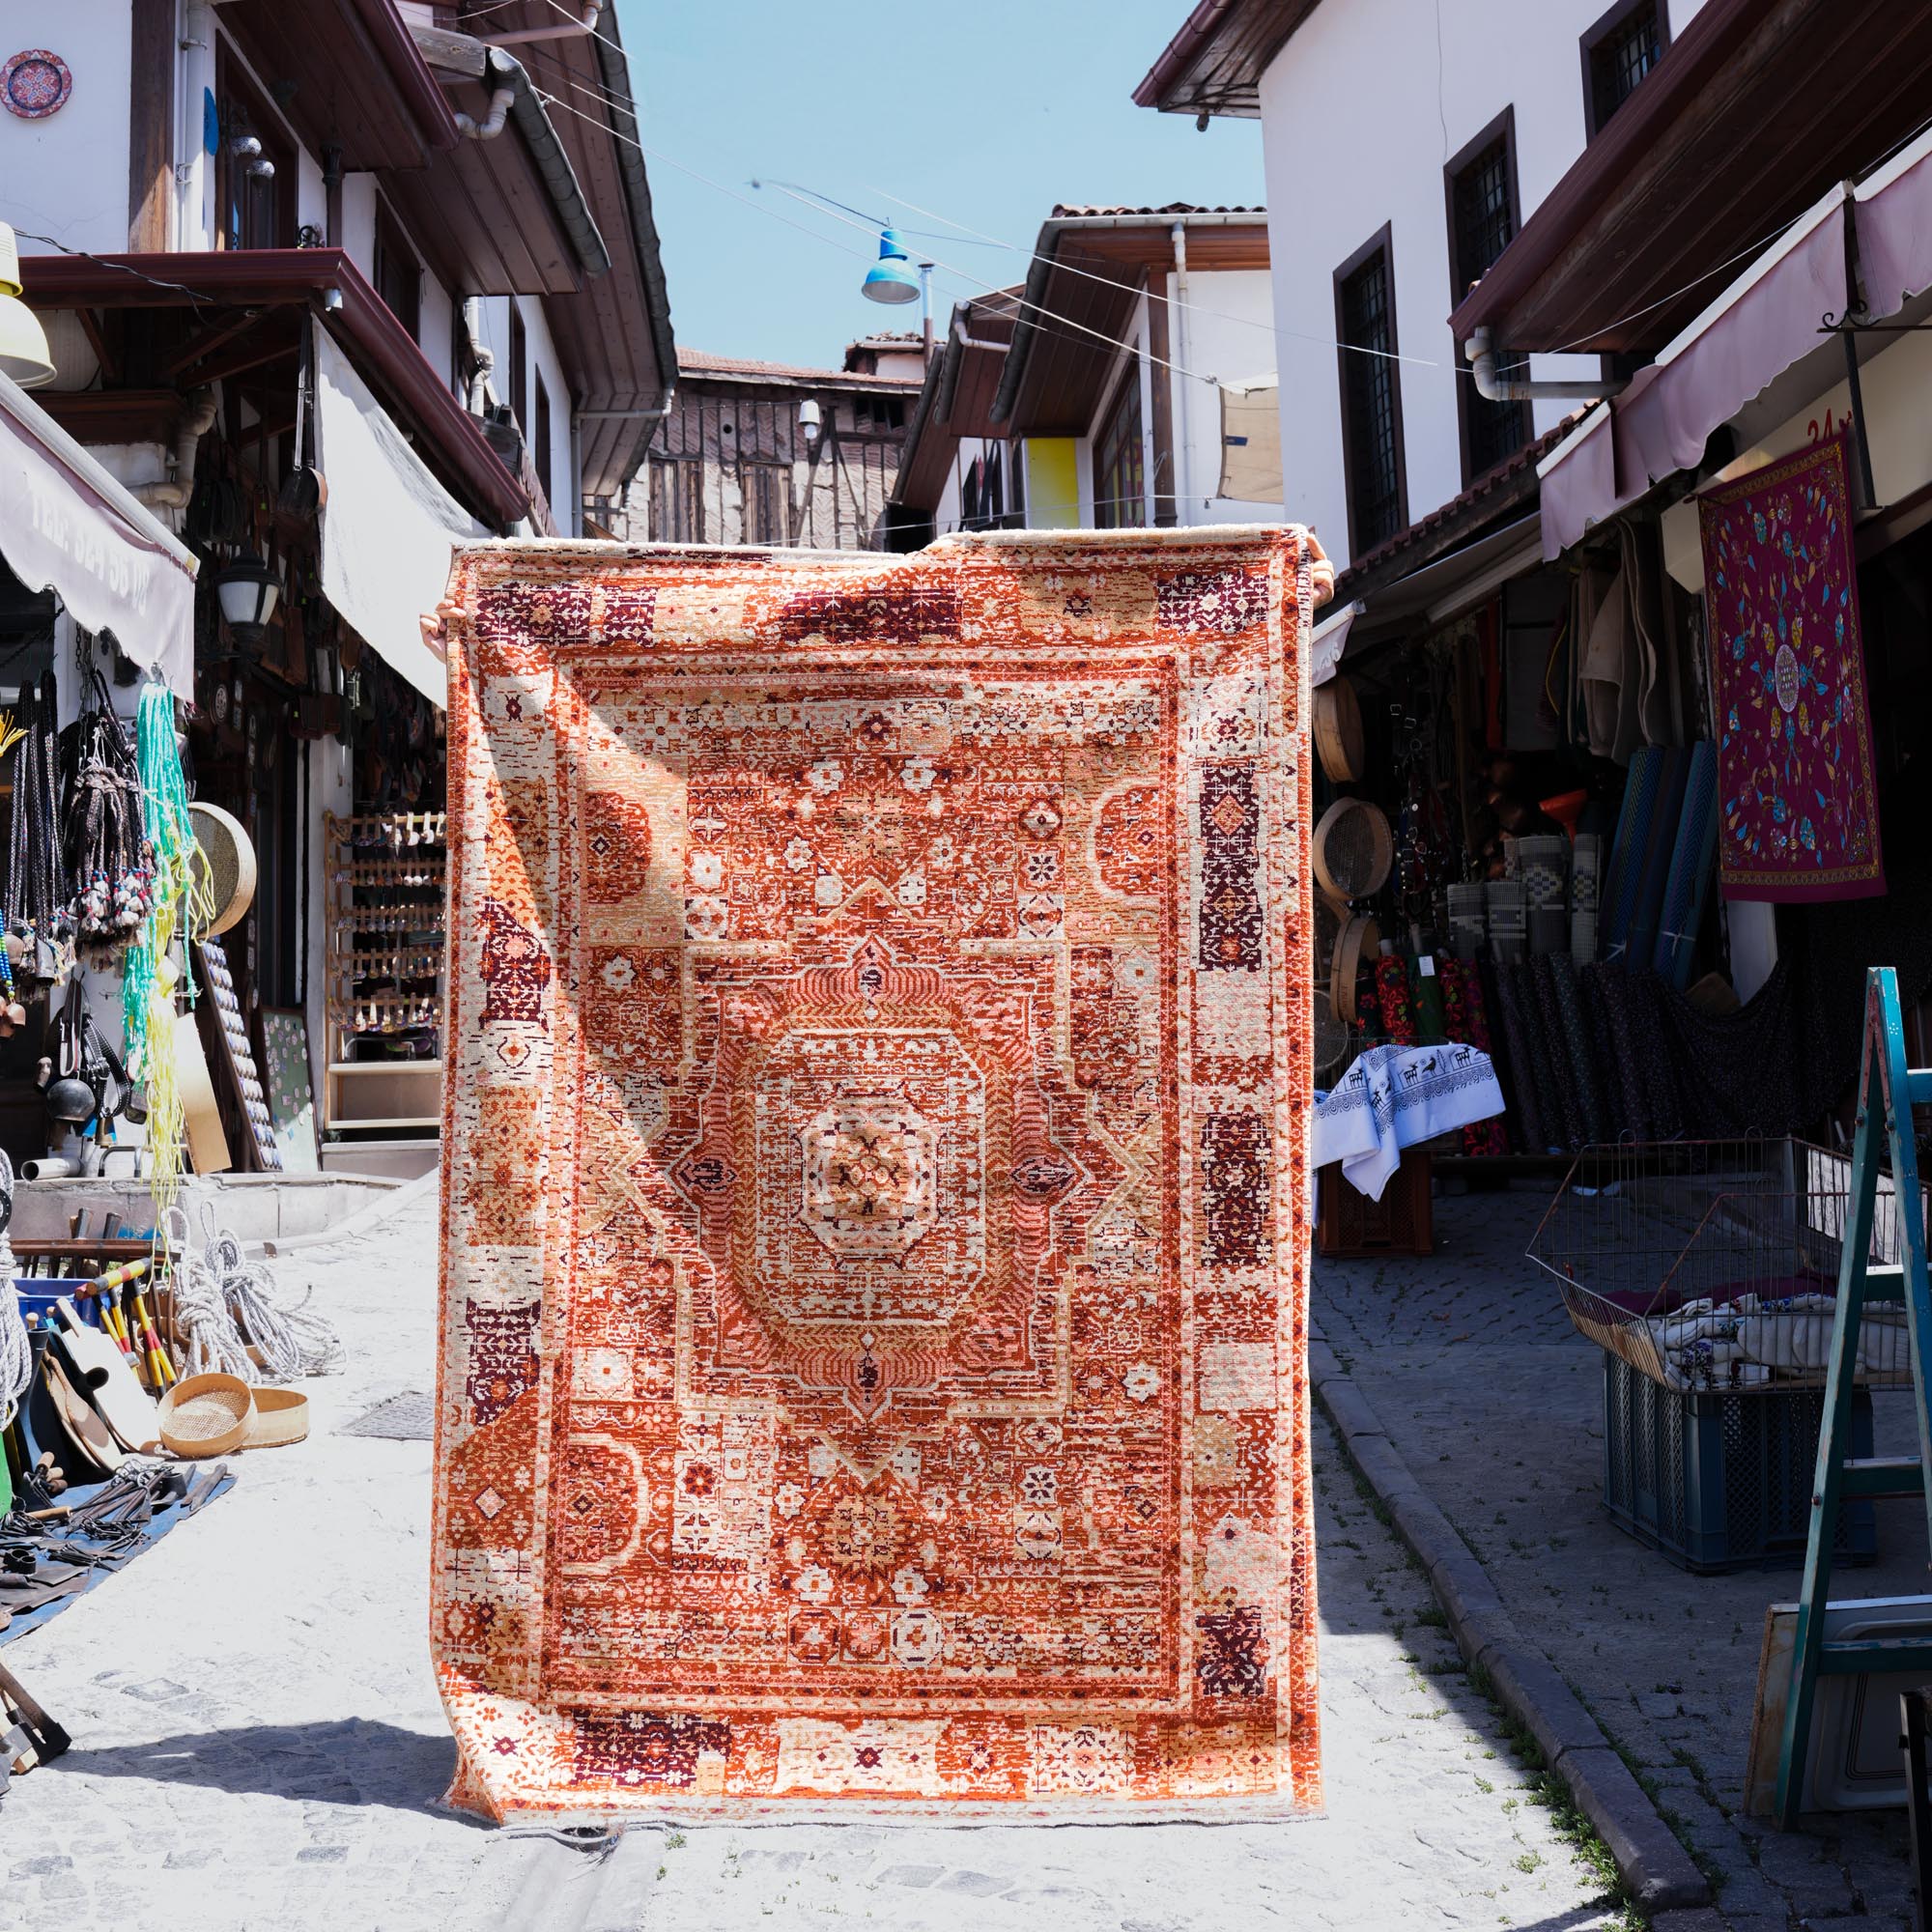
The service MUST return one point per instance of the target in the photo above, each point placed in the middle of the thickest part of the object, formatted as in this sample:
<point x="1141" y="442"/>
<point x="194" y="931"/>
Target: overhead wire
<point x="1065" y="323"/>
<point x="1274" y="327"/>
<point x="603" y="97"/>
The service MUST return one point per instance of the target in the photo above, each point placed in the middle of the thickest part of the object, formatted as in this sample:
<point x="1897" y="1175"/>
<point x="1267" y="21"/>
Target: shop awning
<point x="67" y="526"/>
<point x="1766" y="321"/>
<point x="388" y="527"/>
<point x="1329" y="639"/>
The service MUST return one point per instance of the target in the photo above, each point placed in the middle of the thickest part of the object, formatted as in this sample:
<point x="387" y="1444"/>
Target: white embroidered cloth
<point x="1394" y="1096"/>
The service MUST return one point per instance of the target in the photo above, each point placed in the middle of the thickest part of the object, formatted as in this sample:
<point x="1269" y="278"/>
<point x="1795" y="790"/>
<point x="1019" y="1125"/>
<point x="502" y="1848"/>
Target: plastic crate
<point x="1718" y="1481"/>
<point x="1350" y="1227"/>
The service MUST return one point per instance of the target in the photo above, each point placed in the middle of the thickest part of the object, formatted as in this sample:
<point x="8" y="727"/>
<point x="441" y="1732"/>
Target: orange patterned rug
<point x="874" y="1278"/>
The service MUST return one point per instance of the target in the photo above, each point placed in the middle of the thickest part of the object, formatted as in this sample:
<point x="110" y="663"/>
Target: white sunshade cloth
<point x="388" y="527"/>
<point x="1329" y="639"/>
<point x="1251" y="441"/>
<point x="67" y="526"/>
<point x="1766" y="320"/>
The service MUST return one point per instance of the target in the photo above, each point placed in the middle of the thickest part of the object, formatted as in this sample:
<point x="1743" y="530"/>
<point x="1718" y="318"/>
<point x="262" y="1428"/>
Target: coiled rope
<point x="223" y="1302"/>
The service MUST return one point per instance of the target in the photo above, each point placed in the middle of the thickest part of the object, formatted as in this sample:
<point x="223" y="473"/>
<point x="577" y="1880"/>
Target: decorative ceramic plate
<point x="35" y="84"/>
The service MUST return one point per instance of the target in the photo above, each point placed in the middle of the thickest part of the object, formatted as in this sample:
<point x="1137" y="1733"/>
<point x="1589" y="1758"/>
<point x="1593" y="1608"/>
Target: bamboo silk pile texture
<point x="874" y="1296"/>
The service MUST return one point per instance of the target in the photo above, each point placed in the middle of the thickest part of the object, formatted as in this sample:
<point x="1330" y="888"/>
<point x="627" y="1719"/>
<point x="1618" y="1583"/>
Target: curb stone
<point x="1655" y="1867"/>
<point x="355" y="1225"/>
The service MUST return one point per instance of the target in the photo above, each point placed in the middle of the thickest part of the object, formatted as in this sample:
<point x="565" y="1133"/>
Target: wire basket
<point x="1713" y="1264"/>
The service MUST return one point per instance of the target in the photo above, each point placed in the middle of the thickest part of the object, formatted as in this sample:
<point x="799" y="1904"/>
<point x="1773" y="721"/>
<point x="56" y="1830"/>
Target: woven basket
<point x="207" y="1415"/>
<point x="281" y="1417"/>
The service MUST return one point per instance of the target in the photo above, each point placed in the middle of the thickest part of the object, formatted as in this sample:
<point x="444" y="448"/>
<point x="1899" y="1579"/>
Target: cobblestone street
<point x="1497" y="1404"/>
<point x="257" y="1742"/>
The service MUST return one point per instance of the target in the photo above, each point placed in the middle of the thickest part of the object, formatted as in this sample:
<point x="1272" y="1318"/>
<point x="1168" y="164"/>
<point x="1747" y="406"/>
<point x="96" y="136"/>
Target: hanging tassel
<point x="182" y="902"/>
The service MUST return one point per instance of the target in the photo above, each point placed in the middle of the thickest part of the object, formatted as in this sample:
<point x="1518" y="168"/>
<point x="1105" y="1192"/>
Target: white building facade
<point x="1405" y="141"/>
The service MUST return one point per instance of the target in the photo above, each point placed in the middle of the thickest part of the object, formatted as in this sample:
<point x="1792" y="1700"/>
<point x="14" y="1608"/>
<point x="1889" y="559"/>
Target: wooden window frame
<point x="1501" y="129"/>
<point x="1127" y="386"/>
<point x="391" y="243"/>
<point x="1599" y="31"/>
<point x="235" y="87"/>
<point x="520" y="371"/>
<point x="543" y="429"/>
<point x="1380" y="242"/>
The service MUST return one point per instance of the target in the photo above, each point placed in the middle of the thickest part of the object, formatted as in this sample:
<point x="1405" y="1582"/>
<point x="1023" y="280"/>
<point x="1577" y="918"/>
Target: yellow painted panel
<point x="1052" y="483"/>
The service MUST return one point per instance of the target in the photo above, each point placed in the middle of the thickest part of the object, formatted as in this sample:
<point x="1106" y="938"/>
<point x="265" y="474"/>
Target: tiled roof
<point x="699" y="363"/>
<point x="1494" y="490"/>
<point x="1065" y="210"/>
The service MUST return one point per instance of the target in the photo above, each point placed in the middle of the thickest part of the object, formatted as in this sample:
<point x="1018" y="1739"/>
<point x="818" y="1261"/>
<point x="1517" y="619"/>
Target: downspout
<point x="503" y="93"/>
<point x="1493" y="388"/>
<point x="1183" y="455"/>
<point x="513" y="97"/>
<point x="197" y="80"/>
<point x="571" y="31"/>
<point x="173" y="493"/>
<point x="482" y="358"/>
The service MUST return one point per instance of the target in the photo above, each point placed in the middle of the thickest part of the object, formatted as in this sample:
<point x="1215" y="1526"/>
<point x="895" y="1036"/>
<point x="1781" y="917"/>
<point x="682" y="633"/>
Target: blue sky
<point x="986" y="113"/>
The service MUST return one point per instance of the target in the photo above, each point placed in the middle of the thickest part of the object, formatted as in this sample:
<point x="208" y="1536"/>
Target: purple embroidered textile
<point x="1798" y="805"/>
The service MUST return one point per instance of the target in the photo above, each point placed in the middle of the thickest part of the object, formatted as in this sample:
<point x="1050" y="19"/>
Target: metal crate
<point x="1713" y="1266"/>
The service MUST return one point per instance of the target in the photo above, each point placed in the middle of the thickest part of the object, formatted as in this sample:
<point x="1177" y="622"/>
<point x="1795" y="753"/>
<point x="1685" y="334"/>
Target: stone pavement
<point x="258" y="1742"/>
<point x="1497" y="1404"/>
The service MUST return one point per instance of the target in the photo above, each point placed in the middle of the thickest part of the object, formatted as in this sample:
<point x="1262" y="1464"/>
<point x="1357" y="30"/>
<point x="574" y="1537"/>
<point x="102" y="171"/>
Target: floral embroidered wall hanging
<point x="1798" y="803"/>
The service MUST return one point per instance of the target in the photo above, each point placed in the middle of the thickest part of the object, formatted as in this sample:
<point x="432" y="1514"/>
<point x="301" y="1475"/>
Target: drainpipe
<point x="631" y="415"/>
<point x="1183" y="457"/>
<point x="1491" y="388"/>
<point x="174" y="491"/>
<point x="197" y="78"/>
<point x="483" y="360"/>
<point x="503" y="72"/>
<point x="571" y="31"/>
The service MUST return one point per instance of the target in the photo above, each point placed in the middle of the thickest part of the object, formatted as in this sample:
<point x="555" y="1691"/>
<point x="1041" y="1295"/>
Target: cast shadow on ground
<point x="346" y="1761"/>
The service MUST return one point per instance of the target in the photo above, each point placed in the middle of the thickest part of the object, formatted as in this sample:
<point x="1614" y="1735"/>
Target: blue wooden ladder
<point x="1888" y="1092"/>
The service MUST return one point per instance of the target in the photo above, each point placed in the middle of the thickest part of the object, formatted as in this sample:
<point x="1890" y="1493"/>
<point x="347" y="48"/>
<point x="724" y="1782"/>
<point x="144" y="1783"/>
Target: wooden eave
<point x="1755" y="112"/>
<point x="114" y="416"/>
<point x="481" y="213"/>
<point x="611" y="332"/>
<point x="223" y="286"/>
<point x="956" y="402"/>
<point x="347" y="75"/>
<point x="1215" y="63"/>
<point x="1073" y="317"/>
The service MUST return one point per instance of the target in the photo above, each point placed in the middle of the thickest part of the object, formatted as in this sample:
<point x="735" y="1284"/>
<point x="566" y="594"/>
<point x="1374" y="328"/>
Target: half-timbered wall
<point x="733" y="464"/>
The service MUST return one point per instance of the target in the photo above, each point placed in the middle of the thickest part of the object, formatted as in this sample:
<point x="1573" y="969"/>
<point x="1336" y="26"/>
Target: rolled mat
<point x="1586" y="865"/>
<point x="1560" y="1098"/>
<point x="1544" y="859"/>
<point x="1612" y="988"/>
<point x="1530" y="1134"/>
<point x="1581" y="1046"/>
<point x="1612" y="1074"/>
<point x="1617" y="900"/>
<point x="1692" y="860"/>
<point x="1539" y="1029"/>
<point x="1642" y="939"/>
<point x="1509" y="915"/>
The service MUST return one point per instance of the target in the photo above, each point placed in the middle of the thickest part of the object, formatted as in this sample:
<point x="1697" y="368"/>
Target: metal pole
<point x="1853" y="300"/>
<point x="925" y="310"/>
